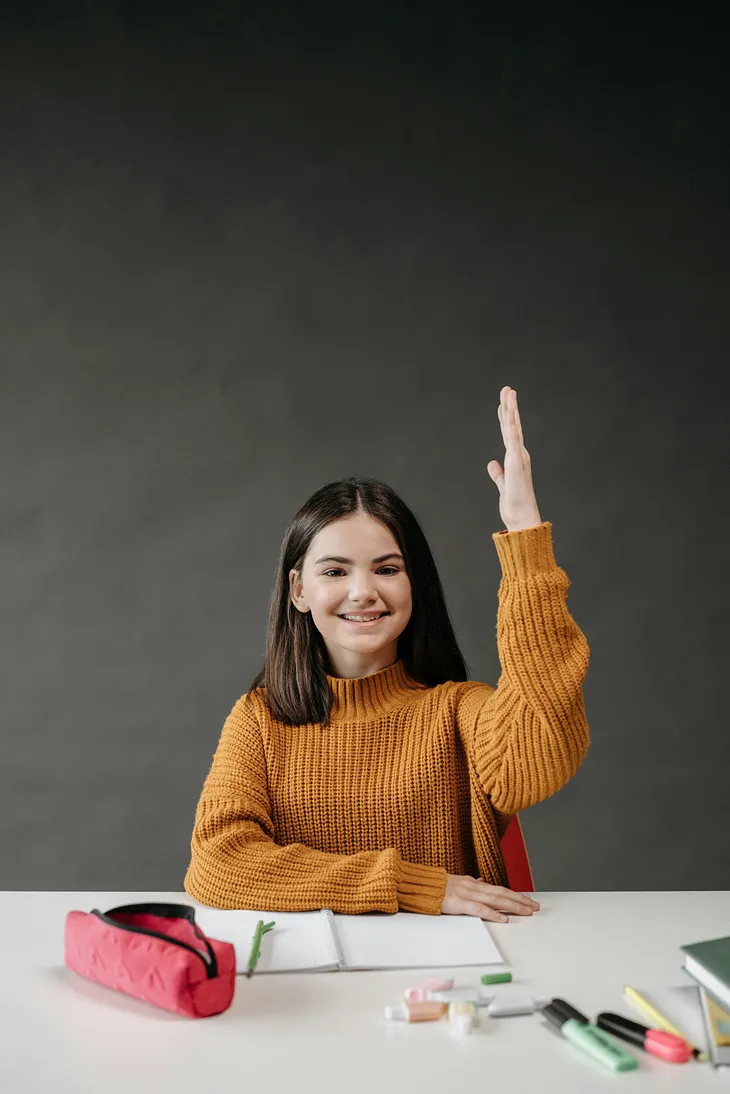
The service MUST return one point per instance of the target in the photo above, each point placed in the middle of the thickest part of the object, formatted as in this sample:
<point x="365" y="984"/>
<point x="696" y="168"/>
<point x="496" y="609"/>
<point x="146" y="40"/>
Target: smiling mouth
<point x="366" y="623"/>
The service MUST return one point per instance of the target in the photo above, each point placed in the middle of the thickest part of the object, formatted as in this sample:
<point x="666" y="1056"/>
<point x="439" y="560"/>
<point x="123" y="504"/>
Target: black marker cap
<point x="567" y="1011"/>
<point x="622" y="1027"/>
<point x="554" y="1016"/>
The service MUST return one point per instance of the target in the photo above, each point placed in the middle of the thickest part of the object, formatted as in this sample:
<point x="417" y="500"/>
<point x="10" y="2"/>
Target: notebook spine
<point x="333" y="942"/>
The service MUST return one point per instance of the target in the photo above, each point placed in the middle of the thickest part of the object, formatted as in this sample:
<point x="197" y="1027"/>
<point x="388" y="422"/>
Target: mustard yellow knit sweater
<point x="408" y="783"/>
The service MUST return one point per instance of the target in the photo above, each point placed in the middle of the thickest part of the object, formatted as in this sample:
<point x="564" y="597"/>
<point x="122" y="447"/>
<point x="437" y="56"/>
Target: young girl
<point x="369" y="774"/>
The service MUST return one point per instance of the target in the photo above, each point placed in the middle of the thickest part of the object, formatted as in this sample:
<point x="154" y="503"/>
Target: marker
<point x="415" y="1012"/>
<point x="463" y="1017"/>
<point x="497" y="978"/>
<point x="576" y="1028"/>
<point x="667" y="1046"/>
<point x="644" y="1007"/>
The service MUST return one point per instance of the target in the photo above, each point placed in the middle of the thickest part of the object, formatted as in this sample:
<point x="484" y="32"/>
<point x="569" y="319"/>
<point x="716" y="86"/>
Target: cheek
<point x="325" y="602"/>
<point x="402" y="612"/>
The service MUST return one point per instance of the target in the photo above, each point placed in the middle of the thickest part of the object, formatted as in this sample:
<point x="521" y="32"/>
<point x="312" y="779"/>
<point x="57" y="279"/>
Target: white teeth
<point x="363" y="618"/>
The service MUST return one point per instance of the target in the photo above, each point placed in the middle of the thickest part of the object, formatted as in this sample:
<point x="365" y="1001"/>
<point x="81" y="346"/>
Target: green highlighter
<point x="497" y="978"/>
<point x="594" y="1041"/>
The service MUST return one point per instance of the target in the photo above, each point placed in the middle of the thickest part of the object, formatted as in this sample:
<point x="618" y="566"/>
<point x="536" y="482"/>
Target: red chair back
<point x="516" y="860"/>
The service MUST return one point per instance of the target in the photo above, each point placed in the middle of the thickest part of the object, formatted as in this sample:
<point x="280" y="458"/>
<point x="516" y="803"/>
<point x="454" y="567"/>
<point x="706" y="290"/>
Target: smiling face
<point x="354" y="567"/>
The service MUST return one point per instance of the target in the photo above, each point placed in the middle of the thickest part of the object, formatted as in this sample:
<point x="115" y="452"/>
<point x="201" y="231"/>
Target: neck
<point x="353" y="664"/>
<point x="363" y="698"/>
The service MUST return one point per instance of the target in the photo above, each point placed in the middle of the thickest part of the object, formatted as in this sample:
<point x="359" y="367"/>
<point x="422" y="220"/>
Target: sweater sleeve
<point x="236" y="862"/>
<point x="527" y="738"/>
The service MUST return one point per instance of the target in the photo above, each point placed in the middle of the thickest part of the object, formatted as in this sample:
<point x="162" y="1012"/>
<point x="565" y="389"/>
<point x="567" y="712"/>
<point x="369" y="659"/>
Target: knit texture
<point x="407" y="783"/>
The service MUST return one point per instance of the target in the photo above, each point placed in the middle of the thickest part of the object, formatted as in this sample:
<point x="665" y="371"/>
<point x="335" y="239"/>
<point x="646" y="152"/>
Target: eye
<point x="393" y="569"/>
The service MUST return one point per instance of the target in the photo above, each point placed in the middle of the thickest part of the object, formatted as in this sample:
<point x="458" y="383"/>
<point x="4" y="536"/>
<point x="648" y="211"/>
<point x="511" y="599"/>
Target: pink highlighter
<point x="419" y="993"/>
<point x="664" y="1045"/>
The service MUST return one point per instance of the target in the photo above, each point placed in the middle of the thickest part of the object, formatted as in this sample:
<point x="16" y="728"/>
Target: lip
<point x="370" y="623"/>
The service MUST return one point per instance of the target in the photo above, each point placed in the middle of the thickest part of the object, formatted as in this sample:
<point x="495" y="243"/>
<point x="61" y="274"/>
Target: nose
<point x="361" y="591"/>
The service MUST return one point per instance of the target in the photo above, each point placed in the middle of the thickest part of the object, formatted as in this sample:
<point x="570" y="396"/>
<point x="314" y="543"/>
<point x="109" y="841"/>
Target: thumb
<point x="496" y="473"/>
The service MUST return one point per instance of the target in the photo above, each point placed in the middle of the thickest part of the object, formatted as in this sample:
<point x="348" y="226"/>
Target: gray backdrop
<point x="225" y="242"/>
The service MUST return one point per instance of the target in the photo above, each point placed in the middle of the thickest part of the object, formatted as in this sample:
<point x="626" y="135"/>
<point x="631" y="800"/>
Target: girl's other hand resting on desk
<point x="473" y="896"/>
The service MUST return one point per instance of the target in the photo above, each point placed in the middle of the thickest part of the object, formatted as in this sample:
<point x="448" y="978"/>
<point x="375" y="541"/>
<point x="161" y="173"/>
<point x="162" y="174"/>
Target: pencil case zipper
<point x="207" y="959"/>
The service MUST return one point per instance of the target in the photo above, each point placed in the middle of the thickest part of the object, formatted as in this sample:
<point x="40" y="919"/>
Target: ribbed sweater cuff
<point x="420" y="888"/>
<point x="529" y="551"/>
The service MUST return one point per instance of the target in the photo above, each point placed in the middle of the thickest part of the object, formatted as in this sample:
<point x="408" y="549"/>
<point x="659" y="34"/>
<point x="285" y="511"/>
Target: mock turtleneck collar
<point x="366" y="697"/>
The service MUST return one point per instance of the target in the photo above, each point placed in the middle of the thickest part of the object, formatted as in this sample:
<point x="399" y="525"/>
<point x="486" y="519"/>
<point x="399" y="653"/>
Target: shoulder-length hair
<point x="296" y="660"/>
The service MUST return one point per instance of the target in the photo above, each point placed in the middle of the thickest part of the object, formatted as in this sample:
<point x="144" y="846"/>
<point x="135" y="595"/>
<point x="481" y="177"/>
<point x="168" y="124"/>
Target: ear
<point x="295" y="591"/>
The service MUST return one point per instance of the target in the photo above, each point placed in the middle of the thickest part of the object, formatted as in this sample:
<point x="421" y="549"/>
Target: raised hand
<point x="517" y="503"/>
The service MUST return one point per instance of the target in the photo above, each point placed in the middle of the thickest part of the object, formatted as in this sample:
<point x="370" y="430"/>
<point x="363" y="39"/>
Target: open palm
<point x="517" y="503"/>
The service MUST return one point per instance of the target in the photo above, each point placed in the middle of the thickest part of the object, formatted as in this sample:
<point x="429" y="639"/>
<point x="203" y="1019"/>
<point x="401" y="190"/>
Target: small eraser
<point x="497" y="978"/>
<point x="419" y="993"/>
<point x="456" y="995"/>
<point x="511" y="1005"/>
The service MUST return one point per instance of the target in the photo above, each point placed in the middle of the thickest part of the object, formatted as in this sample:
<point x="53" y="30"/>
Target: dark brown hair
<point x="296" y="658"/>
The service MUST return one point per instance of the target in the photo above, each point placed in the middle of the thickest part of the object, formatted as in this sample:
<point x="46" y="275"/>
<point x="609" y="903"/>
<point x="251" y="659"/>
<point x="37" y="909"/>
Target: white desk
<point x="325" y="1031"/>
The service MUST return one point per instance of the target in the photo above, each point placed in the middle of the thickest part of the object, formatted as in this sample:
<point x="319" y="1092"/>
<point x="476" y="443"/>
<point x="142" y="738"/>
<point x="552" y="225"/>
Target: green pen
<point x="598" y="1044"/>
<point x="261" y="929"/>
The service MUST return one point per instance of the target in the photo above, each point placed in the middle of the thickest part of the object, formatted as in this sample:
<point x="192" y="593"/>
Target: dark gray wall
<point x="223" y="240"/>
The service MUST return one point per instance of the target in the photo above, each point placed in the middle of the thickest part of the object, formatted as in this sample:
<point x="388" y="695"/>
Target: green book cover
<point x="709" y="962"/>
<point x="714" y="955"/>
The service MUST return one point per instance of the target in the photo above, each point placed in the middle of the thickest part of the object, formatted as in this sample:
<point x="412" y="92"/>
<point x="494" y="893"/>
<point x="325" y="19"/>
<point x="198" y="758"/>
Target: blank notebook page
<point x="407" y="940"/>
<point x="298" y="942"/>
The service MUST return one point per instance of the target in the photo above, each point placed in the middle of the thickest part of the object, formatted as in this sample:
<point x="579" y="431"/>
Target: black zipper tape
<point x="166" y="911"/>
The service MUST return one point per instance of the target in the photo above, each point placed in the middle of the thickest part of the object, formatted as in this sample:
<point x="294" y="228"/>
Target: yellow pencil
<point x="644" y="1006"/>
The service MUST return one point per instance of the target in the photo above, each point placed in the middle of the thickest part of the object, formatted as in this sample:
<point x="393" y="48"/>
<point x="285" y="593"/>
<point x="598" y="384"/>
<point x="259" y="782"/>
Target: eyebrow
<point x="349" y="561"/>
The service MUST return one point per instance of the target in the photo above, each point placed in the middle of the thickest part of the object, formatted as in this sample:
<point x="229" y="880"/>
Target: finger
<point x="505" y="899"/>
<point x="517" y="420"/>
<point x="507" y="419"/>
<point x="517" y="909"/>
<point x="510" y="421"/>
<point x="523" y="906"/>
<point x="513" y="907"/>
<point x="481" y="910"/>
<point x="529" y="901"/>
<point x="496" y="473"/>
<point x="505" y="891"/>
<point x="502" y="408"/>
<point x="504" y="426"/>
<point x="525" y="901"/>
<point x="502" y="889"/>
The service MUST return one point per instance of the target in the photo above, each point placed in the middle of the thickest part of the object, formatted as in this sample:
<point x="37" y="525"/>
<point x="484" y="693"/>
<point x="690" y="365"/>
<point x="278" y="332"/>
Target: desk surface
<point x="325" y="1031"/>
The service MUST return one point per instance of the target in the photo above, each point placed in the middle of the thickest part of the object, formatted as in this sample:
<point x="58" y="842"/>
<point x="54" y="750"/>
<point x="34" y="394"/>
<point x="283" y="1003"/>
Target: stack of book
<point x="708" y="963"/>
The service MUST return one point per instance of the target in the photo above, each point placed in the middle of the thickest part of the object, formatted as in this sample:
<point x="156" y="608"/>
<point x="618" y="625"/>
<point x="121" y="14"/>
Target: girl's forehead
<point x="356" y="536"/>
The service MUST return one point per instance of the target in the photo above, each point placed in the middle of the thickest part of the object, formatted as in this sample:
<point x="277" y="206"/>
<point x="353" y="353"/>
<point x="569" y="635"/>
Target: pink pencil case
<point x="154" y="952"/>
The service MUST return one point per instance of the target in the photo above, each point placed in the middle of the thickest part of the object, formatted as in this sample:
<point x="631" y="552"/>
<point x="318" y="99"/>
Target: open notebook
<point x="326" y="942"/>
